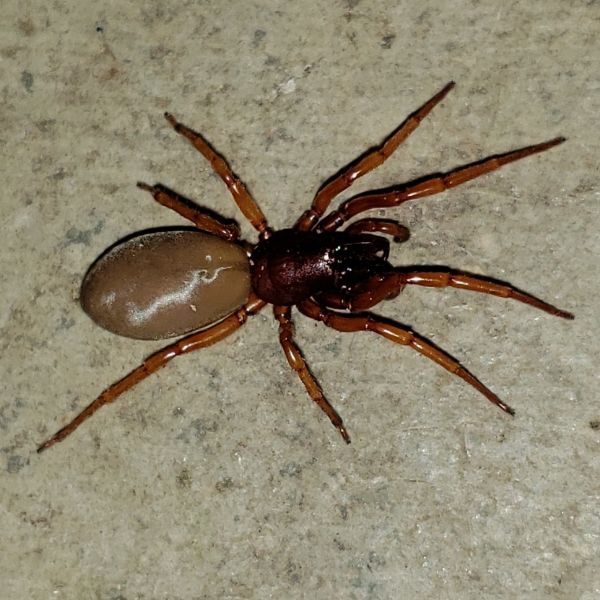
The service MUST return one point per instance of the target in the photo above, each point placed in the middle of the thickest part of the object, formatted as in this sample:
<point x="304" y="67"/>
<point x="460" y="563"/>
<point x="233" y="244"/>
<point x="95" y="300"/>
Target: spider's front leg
<point x="385" y="286"/>
<point x="369" y="161"/>
<point x="427" y="186"/>
<point x="399" y="335"/>
<point x="398" y="232"/>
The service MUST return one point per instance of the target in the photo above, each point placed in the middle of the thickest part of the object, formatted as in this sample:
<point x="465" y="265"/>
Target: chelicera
<point x="205" y="283"/>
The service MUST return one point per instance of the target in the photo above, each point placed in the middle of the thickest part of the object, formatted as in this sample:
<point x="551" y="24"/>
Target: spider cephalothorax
<point x="291" y="266"/>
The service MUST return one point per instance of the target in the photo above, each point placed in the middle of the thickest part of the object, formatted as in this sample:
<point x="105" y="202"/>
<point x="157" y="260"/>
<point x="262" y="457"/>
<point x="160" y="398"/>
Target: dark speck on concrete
<point x="595" y="424"/>
<point x="201" y="428"/>
<point x="184" y="479"/>
<point x="27" y="80"/>
<point x="224" y="484"/>
<point x="259" y="36"/>
<point x="387" y="41"/>
<point x="291" y="469"/>
<point x="82" y="236"/>
<point x="9" y="413"/>
<point x="375" y="561"/>
<point x="27" y="27"/>
<point x="59" y="174"/>
<point x="272" y="61"/>
<point x="46" y="125"/>
<point x="65" y="323"/>
<point x="333" y="348"/>
<point x="159" y="52"/>
<point x="15" y="463"/>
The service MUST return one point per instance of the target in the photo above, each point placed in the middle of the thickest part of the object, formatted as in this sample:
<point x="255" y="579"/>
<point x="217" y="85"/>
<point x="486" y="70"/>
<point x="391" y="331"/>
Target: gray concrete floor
<point x="218" y="478"/>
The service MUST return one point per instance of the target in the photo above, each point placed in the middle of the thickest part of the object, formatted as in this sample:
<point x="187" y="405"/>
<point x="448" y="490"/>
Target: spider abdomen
<point x="164" y="284"/>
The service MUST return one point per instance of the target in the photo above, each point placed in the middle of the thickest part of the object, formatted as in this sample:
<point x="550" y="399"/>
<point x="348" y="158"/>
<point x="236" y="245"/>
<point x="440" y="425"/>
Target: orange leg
<point x="427" y="186"/>
<point x="297" y="362"/>
<point x="366" y="294"/>
<point x="194" y="341"/>
<point x="398" y="335"/>
<point x="399" y="232"/>
<point x="201" y="219"/>
<point x="371" y="160"/>
<point x="238" y="190"/>
<point x="479" y="284"/>
<point x="389" y="285"/>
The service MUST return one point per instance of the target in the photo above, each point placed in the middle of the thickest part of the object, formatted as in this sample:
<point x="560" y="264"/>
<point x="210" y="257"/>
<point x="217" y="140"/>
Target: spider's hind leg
<point x="189" y="343"/>
<point x="202" y="219"/>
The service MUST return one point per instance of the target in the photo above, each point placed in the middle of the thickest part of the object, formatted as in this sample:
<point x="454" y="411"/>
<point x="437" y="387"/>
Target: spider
<point x="205" y="283"/>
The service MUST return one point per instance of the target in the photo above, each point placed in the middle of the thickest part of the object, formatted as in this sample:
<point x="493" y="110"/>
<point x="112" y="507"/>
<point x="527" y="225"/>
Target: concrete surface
<point x="217" y="478"/>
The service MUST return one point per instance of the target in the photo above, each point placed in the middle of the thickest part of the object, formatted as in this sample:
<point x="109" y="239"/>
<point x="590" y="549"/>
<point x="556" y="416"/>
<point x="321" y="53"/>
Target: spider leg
<point x="479" y="284"/>
<point x="433" y="184"/>
<point x="201" y="219"/>
<point x="297" y="362"/>
<point x="189" y="343"/>
<point x="385" y="286"/>
<point x="399" y="232"/>
<point x="365" y="294"/>
<point x="238" y="190"/>
<point x="399" y="335"/>
<point x="369" y="161"/>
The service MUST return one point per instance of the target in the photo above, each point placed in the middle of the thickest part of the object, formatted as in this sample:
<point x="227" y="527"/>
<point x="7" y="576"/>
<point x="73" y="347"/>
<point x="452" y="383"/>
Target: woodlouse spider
<point x="204" y="284"/>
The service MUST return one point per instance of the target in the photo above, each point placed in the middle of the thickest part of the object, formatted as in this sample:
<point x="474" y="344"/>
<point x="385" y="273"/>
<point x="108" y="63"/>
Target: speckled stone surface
<point x="217" y="478"/>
